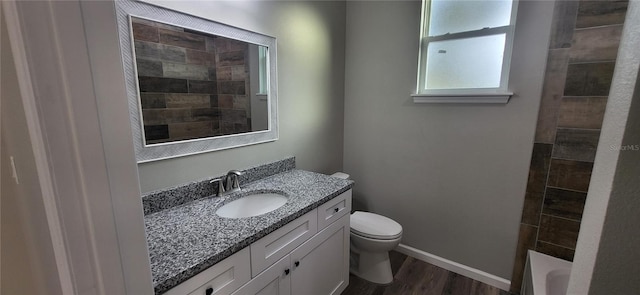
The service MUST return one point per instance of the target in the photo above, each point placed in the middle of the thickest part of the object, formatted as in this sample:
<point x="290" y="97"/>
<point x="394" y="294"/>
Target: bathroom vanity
<point x="299" y="248"/>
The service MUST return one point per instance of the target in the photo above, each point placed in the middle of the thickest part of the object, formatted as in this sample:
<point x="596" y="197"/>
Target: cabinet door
<point x="321" y="265"/>
<point x="275" y="280"/>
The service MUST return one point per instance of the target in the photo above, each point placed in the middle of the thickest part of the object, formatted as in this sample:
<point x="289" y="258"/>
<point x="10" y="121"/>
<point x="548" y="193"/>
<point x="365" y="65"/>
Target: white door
<point x="321" y="265"/>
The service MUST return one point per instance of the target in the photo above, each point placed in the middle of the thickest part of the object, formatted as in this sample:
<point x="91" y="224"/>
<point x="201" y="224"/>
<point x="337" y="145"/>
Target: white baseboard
<point x="458" y="268"/>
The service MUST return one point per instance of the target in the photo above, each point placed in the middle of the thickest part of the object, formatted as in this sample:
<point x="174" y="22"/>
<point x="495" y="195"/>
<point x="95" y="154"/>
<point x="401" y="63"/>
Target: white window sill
<point x="497" y="98"/>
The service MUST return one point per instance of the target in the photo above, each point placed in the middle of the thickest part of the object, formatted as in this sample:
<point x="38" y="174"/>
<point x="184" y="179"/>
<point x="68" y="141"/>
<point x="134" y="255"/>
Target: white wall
<point x="310" y="41"/>
<point x="28" y="264"/>
<point x="453" y="175"/>
<point x="85" y="203"/>
<point x="606" y="259"/>
<point x="616" y="267"/>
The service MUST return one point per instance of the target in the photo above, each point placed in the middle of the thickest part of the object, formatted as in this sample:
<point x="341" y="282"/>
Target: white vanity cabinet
<point x="307" y="256"/>
<point x="321" y="265"/>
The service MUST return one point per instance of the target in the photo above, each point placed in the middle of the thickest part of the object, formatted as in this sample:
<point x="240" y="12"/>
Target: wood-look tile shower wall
<point x="582" y="53"/>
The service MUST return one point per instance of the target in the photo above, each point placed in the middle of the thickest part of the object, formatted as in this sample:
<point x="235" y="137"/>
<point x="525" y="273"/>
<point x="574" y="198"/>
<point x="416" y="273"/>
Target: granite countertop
<point x="189" y="238"/>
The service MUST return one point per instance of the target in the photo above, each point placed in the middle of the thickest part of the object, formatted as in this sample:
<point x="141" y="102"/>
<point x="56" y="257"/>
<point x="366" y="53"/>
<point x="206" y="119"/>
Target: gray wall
<point x="453" y="175"/>
<point x="310" y="38"/>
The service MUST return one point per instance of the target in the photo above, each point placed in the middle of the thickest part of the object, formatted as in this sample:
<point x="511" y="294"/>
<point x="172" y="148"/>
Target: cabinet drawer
<point x="223" y="277"/>
<point x="279" y="243"/>
<point x="334" y="209"/>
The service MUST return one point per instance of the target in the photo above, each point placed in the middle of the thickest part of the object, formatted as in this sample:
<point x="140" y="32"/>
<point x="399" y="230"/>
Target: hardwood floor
<point x="416" y="277"/>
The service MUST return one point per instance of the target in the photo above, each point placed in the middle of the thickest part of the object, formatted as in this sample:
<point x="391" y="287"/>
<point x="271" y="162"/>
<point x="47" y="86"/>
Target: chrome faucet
<point x="233" y="176"/>
<point x="220" y="182"/>
<point x="229" y="183"/>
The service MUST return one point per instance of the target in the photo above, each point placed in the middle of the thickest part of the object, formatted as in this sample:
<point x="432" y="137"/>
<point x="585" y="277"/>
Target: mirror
<point x="195" y="85"/>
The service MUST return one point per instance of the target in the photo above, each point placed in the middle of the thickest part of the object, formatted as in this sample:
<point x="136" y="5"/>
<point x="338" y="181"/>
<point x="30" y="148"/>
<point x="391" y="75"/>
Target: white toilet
<point x="372" y="237"/>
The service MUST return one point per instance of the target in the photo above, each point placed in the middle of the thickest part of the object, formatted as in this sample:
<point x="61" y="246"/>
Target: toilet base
<point x="373" y="267"/>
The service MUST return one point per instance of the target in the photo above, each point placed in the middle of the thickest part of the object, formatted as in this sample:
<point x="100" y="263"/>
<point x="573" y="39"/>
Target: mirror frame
<point x="125" y="9"/>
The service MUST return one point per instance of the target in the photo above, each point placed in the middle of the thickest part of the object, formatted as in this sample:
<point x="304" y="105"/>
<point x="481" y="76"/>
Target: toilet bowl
<point x="372" y="237"/>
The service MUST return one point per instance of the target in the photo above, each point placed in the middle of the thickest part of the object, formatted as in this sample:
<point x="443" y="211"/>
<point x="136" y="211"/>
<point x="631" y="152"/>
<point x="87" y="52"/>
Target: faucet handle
<point x="220" y="182"/>
<point x="234" y="174"/>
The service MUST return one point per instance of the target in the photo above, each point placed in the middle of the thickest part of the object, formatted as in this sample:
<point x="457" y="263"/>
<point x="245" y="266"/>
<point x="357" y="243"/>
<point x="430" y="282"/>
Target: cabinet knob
<point x="297" y="263"/>
<point x="336" y="210"/>
<point x="286" y="272"/>
<point x="209" y="291"/>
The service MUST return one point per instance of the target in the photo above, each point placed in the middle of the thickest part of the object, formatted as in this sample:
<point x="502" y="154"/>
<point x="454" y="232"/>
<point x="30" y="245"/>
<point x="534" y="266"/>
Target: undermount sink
<point x="252" y="205"/>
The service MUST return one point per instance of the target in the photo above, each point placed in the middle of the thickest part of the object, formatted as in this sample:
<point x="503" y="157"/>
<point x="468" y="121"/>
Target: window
<point x="262" y="69"/>
<point x="465" y="50"/>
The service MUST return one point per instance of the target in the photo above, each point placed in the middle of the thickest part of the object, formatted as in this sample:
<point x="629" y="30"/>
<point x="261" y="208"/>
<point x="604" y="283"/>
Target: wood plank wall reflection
<point x="192" y="84"/>
<point x="582" y="53"/>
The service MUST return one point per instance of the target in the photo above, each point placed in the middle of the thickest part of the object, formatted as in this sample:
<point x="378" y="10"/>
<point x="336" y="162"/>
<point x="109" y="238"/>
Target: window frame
<point x="500" y="94"/>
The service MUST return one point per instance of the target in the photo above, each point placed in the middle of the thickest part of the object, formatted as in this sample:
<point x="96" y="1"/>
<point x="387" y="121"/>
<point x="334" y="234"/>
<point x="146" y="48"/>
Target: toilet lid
<point x="374" y="226"/>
